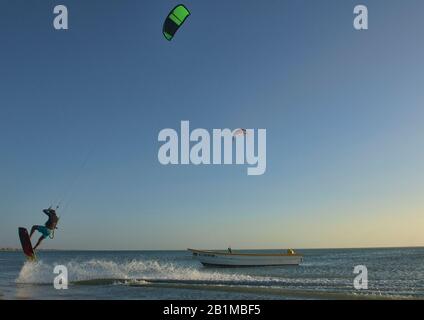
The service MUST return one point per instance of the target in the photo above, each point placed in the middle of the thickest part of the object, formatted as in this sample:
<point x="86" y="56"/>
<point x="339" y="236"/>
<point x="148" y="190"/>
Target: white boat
<point x="233" y="259"/>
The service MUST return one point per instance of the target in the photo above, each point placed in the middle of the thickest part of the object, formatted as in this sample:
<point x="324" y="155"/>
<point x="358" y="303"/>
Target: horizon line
<point x="129" y="250"/>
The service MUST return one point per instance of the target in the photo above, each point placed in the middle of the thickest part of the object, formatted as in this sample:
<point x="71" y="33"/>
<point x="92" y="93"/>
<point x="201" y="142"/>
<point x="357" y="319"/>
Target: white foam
<point x="42" y="273"/>
<point x="35" y="272"/>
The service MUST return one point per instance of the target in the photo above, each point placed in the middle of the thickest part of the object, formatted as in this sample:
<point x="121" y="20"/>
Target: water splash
<point x="42" y="273"/>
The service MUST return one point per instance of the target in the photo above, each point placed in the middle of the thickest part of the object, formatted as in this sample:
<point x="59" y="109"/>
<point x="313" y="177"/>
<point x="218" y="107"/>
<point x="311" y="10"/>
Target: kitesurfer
<point x="48" y="229"/>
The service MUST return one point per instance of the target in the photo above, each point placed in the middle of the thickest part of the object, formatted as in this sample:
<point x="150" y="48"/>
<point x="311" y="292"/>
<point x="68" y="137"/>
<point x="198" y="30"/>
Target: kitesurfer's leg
<point x="39" y="241"/>
<point x="33" y="230"/>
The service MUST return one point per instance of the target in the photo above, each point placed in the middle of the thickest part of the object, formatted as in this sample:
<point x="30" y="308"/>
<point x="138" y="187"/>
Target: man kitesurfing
<point x="48" y="229"/>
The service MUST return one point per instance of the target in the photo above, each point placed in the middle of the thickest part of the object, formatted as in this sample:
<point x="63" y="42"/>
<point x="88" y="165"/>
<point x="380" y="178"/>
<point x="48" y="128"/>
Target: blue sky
<point x="343" y="111"/>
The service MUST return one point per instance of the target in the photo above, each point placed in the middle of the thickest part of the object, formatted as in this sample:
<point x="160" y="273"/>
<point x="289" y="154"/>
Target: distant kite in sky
<point x="174" y="21"/>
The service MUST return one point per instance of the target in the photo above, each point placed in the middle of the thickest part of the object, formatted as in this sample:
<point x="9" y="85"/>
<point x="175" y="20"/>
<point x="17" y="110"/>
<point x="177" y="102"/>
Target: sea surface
<point x="396" y="273"/>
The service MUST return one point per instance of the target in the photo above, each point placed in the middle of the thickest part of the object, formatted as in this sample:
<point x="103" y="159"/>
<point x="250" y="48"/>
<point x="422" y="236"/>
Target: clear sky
<point x="343" y="111"/>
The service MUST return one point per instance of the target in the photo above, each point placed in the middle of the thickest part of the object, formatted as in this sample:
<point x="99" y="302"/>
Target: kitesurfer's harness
<point x="51" y="235"/>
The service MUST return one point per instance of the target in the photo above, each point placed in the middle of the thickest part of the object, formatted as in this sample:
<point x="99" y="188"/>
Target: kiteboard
<point x="26" y="244"/>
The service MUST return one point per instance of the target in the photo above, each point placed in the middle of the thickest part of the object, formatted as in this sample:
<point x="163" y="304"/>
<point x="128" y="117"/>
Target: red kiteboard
<point x="26" y="244"/>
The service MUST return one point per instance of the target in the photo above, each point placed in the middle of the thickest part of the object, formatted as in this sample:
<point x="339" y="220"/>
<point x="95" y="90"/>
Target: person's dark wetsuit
<point x="53" y="218"/>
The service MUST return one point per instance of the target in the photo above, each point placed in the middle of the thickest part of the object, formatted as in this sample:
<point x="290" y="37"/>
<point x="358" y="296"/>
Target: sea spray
<point x="42" y="273"/>
<point x="36" y="272"/>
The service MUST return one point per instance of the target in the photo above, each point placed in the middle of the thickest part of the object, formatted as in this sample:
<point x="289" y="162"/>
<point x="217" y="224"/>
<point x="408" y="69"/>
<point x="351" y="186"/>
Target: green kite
<point x="174" y="21"/>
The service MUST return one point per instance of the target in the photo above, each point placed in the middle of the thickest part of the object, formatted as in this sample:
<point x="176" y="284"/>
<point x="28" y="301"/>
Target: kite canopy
<point x="174" y="21"/>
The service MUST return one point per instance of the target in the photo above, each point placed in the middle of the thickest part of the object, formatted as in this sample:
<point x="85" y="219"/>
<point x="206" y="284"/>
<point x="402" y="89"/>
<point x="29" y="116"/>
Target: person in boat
<point x="48" y="229"/>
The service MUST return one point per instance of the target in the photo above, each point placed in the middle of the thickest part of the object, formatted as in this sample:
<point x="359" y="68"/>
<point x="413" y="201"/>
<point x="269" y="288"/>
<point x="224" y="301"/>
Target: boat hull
<point x="218" y="259"/>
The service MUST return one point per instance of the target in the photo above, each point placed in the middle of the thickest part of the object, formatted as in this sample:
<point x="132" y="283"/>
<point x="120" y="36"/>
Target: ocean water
<point x="396" y="273"/>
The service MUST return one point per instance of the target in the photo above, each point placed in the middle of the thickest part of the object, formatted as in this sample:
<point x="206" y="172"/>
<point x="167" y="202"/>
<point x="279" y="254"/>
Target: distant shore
<point x="16" y="250"/>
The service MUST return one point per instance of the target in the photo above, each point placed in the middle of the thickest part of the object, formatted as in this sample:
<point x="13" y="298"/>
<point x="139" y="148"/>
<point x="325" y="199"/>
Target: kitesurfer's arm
<point x="47" y="211"/>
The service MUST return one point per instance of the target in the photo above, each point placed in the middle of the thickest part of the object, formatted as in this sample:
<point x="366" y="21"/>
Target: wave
<point x="153" y="270"/>
<point x="42" y="273"/>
